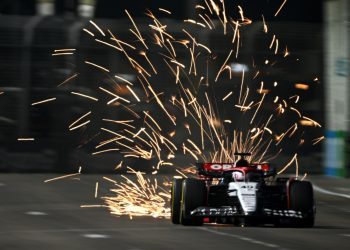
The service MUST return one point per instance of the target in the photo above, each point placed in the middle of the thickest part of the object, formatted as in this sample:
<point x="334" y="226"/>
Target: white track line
<point x="82" y="230"/>
<point x="324" y="191"/>
<point x="35" y="213"/>
<point x="96" y="236"/>
<point x="240" y="237"/>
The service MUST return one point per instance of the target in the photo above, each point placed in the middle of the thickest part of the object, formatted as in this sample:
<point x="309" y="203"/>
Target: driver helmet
<point x="242" y="163"/>
<point x="238" y="176"/>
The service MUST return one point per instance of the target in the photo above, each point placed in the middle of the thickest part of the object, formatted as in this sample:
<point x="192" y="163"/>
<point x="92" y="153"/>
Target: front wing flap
<point x="233" y="211"/>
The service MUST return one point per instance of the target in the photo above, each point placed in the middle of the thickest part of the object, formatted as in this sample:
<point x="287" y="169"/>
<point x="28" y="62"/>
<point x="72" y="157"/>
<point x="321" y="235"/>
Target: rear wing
<point x="218" y="170"/>
<point x="214" y="170"/>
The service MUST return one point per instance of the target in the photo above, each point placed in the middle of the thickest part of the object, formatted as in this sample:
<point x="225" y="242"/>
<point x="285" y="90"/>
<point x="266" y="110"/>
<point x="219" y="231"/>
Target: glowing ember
<point x="302" y="86"/>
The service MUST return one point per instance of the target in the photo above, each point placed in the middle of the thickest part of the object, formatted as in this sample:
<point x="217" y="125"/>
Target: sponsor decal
<point x="219" y="166"/>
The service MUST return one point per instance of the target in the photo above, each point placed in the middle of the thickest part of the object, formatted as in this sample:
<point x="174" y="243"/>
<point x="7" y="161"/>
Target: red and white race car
<point x="242" y="193"/>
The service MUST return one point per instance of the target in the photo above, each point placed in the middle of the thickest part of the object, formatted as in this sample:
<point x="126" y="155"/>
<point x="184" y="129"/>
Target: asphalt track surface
<point x="37" y="215"/>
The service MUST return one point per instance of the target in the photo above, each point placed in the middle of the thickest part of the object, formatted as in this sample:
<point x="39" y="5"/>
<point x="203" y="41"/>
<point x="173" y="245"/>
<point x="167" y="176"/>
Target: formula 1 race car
<point x="242" y="193"/>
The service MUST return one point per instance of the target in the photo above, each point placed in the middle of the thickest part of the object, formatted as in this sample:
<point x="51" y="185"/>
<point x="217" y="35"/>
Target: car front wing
<point x="233" y="211"/>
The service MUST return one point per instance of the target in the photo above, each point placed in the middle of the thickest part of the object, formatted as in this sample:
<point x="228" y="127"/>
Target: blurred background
<point x="316" y="32"/>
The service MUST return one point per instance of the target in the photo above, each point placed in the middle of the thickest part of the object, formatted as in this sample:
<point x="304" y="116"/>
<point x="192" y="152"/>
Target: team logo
<point x="223" y="167"/>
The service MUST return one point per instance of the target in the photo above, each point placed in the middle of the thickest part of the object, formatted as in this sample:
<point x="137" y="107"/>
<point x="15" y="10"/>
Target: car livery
<point x="242" y="193"/>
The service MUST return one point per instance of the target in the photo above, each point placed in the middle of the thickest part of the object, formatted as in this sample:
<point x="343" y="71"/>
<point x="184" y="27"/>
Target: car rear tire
<point x="175" y="202"/>
<point x="301" y="198"/>
<point x="194" y="195"/>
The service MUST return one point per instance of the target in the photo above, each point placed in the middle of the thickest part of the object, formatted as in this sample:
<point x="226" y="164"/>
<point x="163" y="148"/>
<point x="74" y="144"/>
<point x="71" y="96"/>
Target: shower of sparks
<point x="140" y="197"/>
<point x="187" y="122"/>
<point x="44" y="101"/>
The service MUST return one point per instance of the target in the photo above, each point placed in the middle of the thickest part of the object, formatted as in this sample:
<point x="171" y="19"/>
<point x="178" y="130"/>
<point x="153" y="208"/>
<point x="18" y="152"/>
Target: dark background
<point x="29" y="73"/>
<point x="293" y="10"/>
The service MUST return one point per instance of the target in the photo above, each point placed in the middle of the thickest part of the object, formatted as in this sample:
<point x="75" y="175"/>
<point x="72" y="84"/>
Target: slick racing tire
<point x="175" y="202"/>
<point x="194" y="195"/>
<point x="301" y="198"/>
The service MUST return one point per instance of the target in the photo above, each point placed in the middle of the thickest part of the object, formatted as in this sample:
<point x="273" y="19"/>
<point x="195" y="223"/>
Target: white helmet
<point x="238" y="175"/>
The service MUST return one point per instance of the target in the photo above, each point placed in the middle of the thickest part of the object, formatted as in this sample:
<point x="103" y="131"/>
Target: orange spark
<point x="79" y="119"/>
<point x="138" y="34"/>
<point x="43" y="101"/>
<point x="97" y="66"/>
<point x="264" y="24"/>
<point x="288" y="164"/>
<point x="317" y="140"/>
<point x="227" y="96"/>
<point x="61" y="177"/>
<point x="86" y="96"/>
<point x="105" y="151"/>
<point x="78" y="126"/>
<point x="133" y="93"/>
<point x="68" y="79"/>
<point x="98" y="28"/>
<point x="302" y="86"/>
<point x="280" y="8"/>
<point x="62" y="54"/>
<point x="25" y="139"/>
<point x="164" y="10"/>
<point x="108" y="44"/>
<point x="88" y="32"/>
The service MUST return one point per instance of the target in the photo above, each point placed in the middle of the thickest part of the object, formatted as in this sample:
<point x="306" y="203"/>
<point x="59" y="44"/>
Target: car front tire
<point x="301" y="198"/>
<point x="194" y="195"/>
<point x="175" y="202"/>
